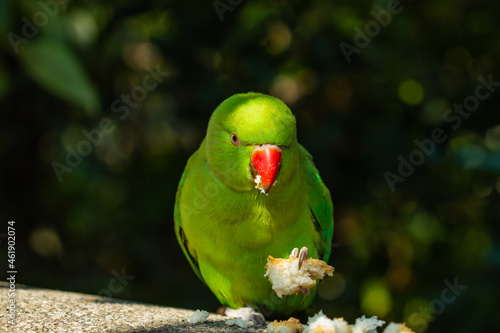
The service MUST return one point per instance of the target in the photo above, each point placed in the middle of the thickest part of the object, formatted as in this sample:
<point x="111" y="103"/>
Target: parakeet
<point x="250" y="191"/>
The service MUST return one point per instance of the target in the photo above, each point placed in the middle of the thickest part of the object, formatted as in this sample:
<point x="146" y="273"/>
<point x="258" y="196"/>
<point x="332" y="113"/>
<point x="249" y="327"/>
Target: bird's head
<point x="251" y="142"/>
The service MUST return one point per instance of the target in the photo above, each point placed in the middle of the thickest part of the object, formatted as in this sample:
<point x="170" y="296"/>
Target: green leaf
<point x="55" y="67"/>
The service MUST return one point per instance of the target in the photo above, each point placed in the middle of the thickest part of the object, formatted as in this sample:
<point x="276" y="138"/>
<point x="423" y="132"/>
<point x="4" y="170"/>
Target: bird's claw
<point x="258" y="319"/>
<point x="306" y="292"/>
<point x="294" y="254"/>
<point x="302" y="255"/>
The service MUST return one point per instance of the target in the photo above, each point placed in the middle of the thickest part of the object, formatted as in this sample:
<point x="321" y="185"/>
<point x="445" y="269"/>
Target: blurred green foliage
<point x="113" y="211"/>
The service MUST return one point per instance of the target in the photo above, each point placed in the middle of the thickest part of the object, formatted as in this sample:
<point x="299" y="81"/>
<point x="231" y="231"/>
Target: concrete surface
<point x="45" y="310"/>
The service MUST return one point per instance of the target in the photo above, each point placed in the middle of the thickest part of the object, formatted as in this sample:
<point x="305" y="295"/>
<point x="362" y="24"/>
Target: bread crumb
<point x="198" y="317"/>
<point x="367" y="325"/>
<point x="238" y="322"/>
<point x="243" y="313"/>
<point x="397" y="328"/>
<point x="291" y="325"/>
<point x="258" y="184"/>
<point x="287" y="279"/>
<point x="320" y="323"/>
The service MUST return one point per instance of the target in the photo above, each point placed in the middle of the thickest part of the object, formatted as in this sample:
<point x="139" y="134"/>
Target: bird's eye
<point x="234" y="139"/>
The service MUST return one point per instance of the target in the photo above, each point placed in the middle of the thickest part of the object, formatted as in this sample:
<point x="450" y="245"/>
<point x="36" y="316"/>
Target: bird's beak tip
<point x="266" y="160"/>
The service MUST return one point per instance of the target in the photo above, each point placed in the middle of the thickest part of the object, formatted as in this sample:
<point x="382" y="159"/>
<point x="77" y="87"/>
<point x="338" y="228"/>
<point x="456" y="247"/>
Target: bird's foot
<point x="302" y="255"/>
<point x="247" y="314"/>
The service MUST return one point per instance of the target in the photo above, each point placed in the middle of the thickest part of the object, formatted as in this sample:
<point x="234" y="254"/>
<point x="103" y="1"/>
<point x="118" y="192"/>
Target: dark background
<point x="112" y="213"/>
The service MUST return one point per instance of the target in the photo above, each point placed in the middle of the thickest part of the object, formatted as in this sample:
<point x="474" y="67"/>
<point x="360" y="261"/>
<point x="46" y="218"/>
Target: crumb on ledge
<point x="198" y="317"/>
<point x="291" y="325"/>
<point x="238" y="322"/>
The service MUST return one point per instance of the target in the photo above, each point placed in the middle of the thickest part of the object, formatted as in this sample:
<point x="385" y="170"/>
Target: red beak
<point x="266" y="160"/>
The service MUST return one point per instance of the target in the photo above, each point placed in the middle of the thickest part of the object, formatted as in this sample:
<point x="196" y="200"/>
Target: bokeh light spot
<point x="482" y="189"/>
<point x="475" y="246"/>
<point x="375" y="299"/>
<point x="82" y="27"/>
<point x="414" y="313"/>
<point x="425" y="227"/>
<point x="141" y="55"/>
<point x="338" y="93"/>
<point x="399" y="277"/>
<point x="433" y="110"/>
<point x="279" y="38"/>
<point x="331" y="287"/>
<point x="411" y="92"/>
<point x="46" y="242"/>
<point x="285" y="88"/>
<point x="492" y="139"/>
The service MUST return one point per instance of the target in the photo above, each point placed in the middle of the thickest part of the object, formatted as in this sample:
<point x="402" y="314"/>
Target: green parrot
<point x="250" y="191"/>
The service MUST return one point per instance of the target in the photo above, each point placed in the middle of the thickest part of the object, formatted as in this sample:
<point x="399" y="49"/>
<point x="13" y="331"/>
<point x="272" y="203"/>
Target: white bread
<point x="320" y="323"/>
<point x="397" y="328"/>
<point x="287" y="279"/>
<point x="198" y="317"/>
<point x="291" y="325"/>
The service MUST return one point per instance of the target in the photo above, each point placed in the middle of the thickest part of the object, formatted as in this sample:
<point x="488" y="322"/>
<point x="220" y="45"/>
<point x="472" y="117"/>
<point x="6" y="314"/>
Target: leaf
<point x="55" y="67"/>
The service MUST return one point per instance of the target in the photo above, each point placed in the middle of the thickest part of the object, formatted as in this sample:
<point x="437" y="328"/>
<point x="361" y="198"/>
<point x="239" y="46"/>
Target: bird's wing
<point x="320" y="205"/>
<point x="179" y="232"/>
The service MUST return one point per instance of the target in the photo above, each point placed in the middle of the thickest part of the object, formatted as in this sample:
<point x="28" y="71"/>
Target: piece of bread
<point x="287" y="279"/>
<point x="238" y="322"/>
<point x="198" y="317"/>
<point x="367" y="325"/>
<point x="291" y="325"/>
<point x="320" y="323"/>
<point x="397" y="328"/>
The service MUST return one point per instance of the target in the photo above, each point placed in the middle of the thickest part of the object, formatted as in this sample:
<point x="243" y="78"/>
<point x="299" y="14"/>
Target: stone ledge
<point x="45" y="310"/>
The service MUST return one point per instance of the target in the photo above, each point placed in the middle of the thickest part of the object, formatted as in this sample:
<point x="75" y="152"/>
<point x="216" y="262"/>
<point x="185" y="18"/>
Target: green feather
<point x="227" y="228"/>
